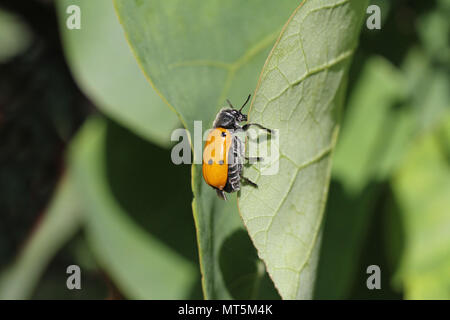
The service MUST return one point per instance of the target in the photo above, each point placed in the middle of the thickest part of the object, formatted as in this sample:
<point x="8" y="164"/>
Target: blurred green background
<point x="123" y="210"/>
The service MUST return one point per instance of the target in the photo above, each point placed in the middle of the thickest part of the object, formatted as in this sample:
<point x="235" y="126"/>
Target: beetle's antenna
<point x="230" y="104"/>
<point x="248" y="98"/>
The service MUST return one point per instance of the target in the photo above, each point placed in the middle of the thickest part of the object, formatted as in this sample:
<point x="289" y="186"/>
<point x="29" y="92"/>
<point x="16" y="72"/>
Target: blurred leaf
<point x="427" y="89"/>
<point x="362" y="140"/>
<point x="142" y="266"/>
<point x="415" y="65"/>
<point x="58" y="224"/>
<point x="399" y="128"/>
<point x="301" y="92"/>
<point x="444" y="5"/>
<point x="435" y="101"/>
<point x="14" y="35"/>
<point x="104" y="67"/>
<point x="434" y="32"/>
<point x="387" y="108"/>
<point x="364" y="153"/>
<point x="197" y="56"/>
<point x="422" y="188"/>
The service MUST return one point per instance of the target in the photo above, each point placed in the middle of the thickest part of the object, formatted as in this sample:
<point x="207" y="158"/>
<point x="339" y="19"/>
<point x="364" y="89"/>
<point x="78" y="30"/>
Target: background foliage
<point x="86" y="176"/>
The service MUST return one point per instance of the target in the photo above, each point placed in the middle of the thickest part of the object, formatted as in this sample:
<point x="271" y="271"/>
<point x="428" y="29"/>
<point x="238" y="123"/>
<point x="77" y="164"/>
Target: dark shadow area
<point x="151" y="189"/>
<point x="243" y="273"/>
<point x="196" y="292"/>
<point x="359" y="231"/>
<point x="374" y="251"/>
<point x="346" y="223"/>
<point x="40" y="109"/>
<point x="94" y="285"/>
<point x="398" y="33"/>
<point x="393" y="232"/>
<point x="397" y="36"/>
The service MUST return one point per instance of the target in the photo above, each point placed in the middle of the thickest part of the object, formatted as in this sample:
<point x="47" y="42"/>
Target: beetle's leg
<point x="248" y="181"/>
<point x="246" y="126"/>
<point x="221" y="194"/>
<point x="254" y="159"/>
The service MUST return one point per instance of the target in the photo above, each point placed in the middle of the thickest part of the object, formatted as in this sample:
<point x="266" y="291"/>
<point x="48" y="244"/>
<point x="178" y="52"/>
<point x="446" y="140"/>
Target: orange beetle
<point x="223" y="152"/>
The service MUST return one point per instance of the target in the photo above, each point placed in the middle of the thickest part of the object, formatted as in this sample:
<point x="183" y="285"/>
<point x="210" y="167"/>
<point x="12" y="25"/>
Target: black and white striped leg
<point x="245" y="127"/>
<point x="254" y="159"/>
<point x="221" y="194"/>
<point x="248" y="181"/>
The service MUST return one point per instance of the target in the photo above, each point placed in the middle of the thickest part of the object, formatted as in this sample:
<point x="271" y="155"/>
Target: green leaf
<point x="201" y="54"/>
<point x="196" y="56"/>
<point x="142" y="264"/>
<point x="300" y="93"/>
<point x="59" y="223"/>
<point x="421" y="188"/>
<point x="105" y="69"/>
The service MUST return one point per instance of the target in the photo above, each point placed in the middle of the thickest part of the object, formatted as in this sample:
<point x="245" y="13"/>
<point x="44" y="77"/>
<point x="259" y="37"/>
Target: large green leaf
<point x="300" y="93"/>
<point x="197" y="55"/>
<point x="105" y="69"/>
<point x="422" y="188"/>
<point x="142" y="262"/>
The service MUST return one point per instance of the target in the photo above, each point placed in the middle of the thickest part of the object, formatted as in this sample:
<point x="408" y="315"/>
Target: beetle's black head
<point x="229" y="118"/>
